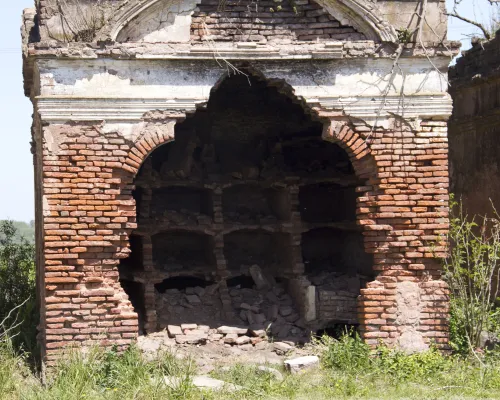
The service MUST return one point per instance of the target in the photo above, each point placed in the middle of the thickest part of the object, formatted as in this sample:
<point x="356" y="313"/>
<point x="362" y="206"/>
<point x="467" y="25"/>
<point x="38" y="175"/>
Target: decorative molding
<point x="123" y="19"/>
<point x="408" y="107"/>
<point x="361" y="14"/>
<point x="60" y="109"/>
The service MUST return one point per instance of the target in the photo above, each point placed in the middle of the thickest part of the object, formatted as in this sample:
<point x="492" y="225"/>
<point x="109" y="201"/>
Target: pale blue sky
<point x="16" y="162"/>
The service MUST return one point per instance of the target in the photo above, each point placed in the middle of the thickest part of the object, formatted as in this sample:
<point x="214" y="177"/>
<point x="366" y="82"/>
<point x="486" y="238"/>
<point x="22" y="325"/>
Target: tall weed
<point x="473" y="274"/>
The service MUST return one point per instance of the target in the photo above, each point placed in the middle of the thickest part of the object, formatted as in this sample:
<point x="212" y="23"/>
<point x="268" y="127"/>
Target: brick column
<point x="403" y="209"/>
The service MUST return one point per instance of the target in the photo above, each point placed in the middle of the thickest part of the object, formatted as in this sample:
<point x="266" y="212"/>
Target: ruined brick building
<point x="245" y="162"/>
<point x="475" y="126"/>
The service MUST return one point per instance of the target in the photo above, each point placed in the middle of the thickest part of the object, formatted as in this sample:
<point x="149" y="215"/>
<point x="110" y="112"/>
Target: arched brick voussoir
<point x="152" y="136"/>
<point x="356" y="147"/>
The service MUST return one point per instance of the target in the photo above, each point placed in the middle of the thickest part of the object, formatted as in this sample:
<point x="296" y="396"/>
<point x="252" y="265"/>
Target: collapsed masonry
<point x="249" y="199"/>
<point x="246" y="166"/>
<point x="475" y="124"/>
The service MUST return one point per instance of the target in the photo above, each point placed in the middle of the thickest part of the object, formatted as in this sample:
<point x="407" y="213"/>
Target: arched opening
<point x="271" y="251"/>
<point x="249" y="218"/>
<point x="254" y="204"/>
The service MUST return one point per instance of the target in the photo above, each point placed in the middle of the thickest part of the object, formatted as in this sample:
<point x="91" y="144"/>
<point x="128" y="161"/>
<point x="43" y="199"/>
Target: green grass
<point x="349" y="370"/>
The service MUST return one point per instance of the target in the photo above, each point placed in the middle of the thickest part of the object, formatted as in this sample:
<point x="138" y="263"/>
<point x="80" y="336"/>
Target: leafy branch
<point x="472" y="272"/>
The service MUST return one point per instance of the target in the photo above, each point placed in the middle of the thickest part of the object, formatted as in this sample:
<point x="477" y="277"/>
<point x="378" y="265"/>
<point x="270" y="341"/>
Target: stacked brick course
<point x="404" y="212"/>
<point x="103" y="109"/>
<point x="241" y="21"/>
<point x="91" y="212"/>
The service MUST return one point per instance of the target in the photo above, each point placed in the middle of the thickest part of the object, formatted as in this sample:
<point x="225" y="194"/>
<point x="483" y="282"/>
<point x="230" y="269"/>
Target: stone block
<point x="272" y="371"/>
<point x="285" y="310"/>
<point x="297" y="365"/>
<point x="174" y="330"/>
<point x="226" y="330"/>
<point x="272" y="312"/>
<point x="258" y="277"/>
<point x="230" y="338"/>
<point x="193" y="299"/>
<point x="257" y="332"/>
<point x="242" y="340"/>
<point x="206" y="382"/>
<point x="282" y="348"/>
<point x="191" y="339"/>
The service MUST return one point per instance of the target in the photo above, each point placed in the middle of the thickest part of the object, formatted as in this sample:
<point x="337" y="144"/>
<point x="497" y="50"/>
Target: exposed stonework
<point x="243" y="21"/>
<point x="475" y="81"/>
<point x="295" y="196"/>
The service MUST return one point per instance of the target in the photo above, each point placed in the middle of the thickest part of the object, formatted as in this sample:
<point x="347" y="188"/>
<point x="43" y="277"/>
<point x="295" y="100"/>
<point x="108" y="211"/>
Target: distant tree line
<point x="23" y="229"/>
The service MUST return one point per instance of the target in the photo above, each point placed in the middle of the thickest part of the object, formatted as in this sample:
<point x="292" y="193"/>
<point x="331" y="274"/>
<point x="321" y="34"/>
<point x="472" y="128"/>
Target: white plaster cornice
<point x="61" y="109"/>
<point x="371" y="107"/>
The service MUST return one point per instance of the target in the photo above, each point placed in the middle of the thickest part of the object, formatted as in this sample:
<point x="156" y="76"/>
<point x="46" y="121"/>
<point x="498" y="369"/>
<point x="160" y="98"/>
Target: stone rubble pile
<point x="196" y="315"/>
<point x="191" y="305"/>
<point x="225" y="335"/>
<point x="271" y="308"/>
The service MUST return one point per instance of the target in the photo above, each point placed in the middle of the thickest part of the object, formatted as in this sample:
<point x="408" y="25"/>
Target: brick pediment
<point x="266" y="21"/>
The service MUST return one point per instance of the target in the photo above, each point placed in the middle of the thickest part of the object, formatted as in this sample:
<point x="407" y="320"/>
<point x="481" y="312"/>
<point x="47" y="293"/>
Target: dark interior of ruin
<point x="245" y="201"/>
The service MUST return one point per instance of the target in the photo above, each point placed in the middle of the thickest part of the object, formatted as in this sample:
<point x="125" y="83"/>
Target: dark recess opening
<point x="180" y="199"/>
<point x="134" y="262"/>
<point x="175" y="250"/>
<point x="271" y="251"/>
<point x="327" y="202"/>
<point x="135" y="292"/>
<point x="243" y="281"/>
<point x="338" y="329"/>
<point x="182" y="283"/>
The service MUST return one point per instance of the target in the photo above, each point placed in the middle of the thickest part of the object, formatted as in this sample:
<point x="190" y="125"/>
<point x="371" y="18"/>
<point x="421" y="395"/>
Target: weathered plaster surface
<point x="171" y="79"/>
<point x="409" y="307"/>
<point x="165" y="21"/>
<point x="361" y="88"/>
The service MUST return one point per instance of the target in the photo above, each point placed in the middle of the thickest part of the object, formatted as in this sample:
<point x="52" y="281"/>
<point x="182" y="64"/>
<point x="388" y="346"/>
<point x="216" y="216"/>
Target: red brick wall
<point x="262" y="21"/>
<point x="88" y="213"/>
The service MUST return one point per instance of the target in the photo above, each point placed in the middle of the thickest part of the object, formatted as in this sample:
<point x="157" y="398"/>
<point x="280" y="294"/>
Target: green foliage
<point x="404" y="35"/>
<point x="349" y="353"/>
<point x="382" y="373"/>
<point x="472" y="272"/>
<point x="106" y="374"/>
<point x="458" y="333"/>
<point x="23" y="230"/>
<point x="358" y="371"/>
<point x="404" y="367"/>
<point x="17" y="286"/>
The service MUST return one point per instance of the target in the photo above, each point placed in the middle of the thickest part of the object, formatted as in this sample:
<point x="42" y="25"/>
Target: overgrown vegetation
<point x="17" y="287"/>
<point x="473" y="274"/>
<point x="349" y="368"/>
<point x="82" y="21"/>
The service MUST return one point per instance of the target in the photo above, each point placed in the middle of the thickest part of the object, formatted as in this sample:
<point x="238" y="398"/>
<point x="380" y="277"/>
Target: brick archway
<point x="338" y="132"/>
